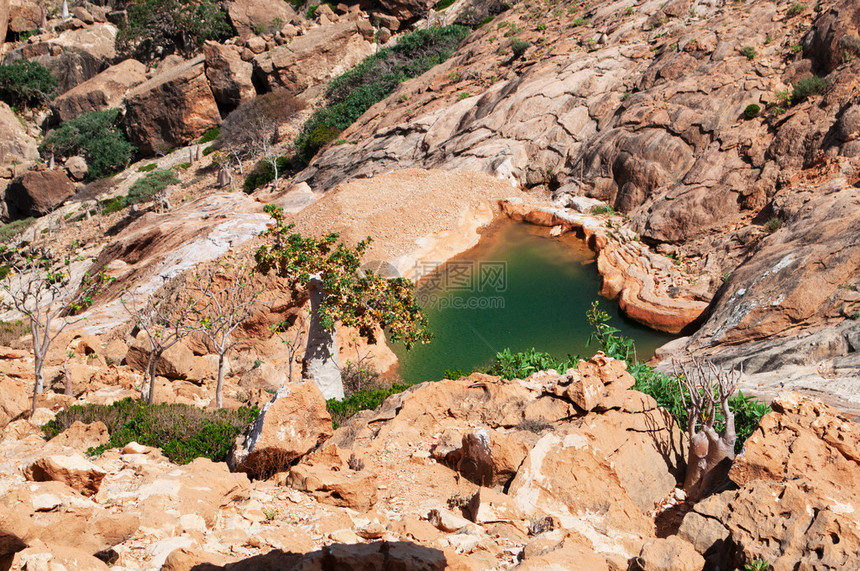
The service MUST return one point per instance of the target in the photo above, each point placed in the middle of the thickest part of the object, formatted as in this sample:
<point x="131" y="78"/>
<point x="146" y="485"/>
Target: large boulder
<point x="4" y="20"/>
<point x="73" y="470"/>
<point x="13" y="399"/>
<point x="15" y="143"/>
<point x="833" y="35"/>
<point x="292" y="424"/>
<point x="309" y="60"/>
<point x="171" y="109"/>
<point x="175" y="363"/>
<point x="407" y="9"/>
<point x="104" y="91"/>
<point x="23" y="17"/>
<point x="229" y="76"/>
<point x="251" y="16"/>
<point x="38" y="192"/>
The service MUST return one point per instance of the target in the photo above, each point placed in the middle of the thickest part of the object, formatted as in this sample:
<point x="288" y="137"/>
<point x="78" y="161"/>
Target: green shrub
<point x="519" y="47"/>
<point x="312" y="10"/>
<point x="147" y="168"/>
<point x="748" y="52"/>
<point x="14" y="228"/>
<point x="773" y="224"/>
<point x="807" y="87"/>
<point x="210" y="135"/>
<point x="97" y="137"/>
<point x="11" y="331"/>
<point x="665" y="390"/>
<point x="183" y="432"/>
<point x="154" y="28"/>
<point x="509" y="365"/>
<point x="184" y="165"/>
<point x="366" y="399"/>
<point x="352" y="93"/>
<point x="263" y="172"/>
<point x="442" y="5"/>
<point x="114" y="204"/>
<point x="26" y="83"/>
<point x="145" y="188"/>
<point x="209" y="150"/>
<point x="602" y="209"/>
<point x="752" y="110"/>
<point x="796" y="9"/>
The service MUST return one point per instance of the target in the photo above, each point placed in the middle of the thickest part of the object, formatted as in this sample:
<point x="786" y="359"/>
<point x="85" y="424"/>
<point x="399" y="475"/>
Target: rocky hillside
<point x="477" y="473"/>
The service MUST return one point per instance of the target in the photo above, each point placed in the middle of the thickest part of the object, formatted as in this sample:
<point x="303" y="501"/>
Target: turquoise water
<point x="520" y="289"/>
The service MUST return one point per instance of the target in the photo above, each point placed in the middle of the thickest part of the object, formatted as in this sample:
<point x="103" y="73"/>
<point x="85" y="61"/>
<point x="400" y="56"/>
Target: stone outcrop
<point x="75" y="471"/>
<point x="104" y="91"/>
<point x="250" y="17"/>
<point x="799" y="493"/>
<point x="4" y="20"/>
<point x="322" y="53"/>
<point x="38" y="192"/>
<point x="407" y="9"/>
<point x="229" y="76"/>
<point x="175" y="363"/>
<point x="171" y="109"/>
<point x="15" y="142"/>
<point x="13" y="399"/>
<point x="292" y="424"/>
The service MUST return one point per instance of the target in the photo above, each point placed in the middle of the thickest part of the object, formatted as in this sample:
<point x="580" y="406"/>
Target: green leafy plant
<point x="757" y="564"/>
<point x="312" y="10"/>
<point x="748" y="52"/>
<point x="97" y="137"/>
<point x="807" y="87"/>
<point x="144" y="189"/>
<point x="14" y="228"/>
<point x="510" y="365"/>
<point x="26" y="83"/>
<point x="773" y="224"/>
<point x="210" y="135"/>
<point x="147" y="168"/>
<point x="795" y="9"/>
<point x="442" y="5"/>
<point x="519" y="47"/>
<point x="183" y="432"/>
<point x="352" y="93"/>
<point x="154" y="28"/>
<point x="463" y="95"/>
<point x="602" y="209"/>
<point x="751" y="111"/>
<point x="365" y="399"/>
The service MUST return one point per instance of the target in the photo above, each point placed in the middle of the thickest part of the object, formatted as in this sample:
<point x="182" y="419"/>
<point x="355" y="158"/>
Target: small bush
<point x="795" y="9"/>
<point x="773" y="225"/>
<point x="145" y="188"/>
<point x="752" y="110"/>
<point x="602" y="209"/>
<point x="519" y="47"/>
<point x="114" y="204"/>
<point x="184" y="165"/>
<point x="748" y="52"/>
<point x="510" y="365"/>
<point x="807" y="87"/>
<point x="533" y="425"/>
<point x="365" y="399"/>
<point x="359" y="377"/>
<point x="26" y="83"/>
<point x="263" y="173"/>
<point x="11" y="331"/>
<point x="312" y="10"/>
<point x="209" y="150"/>
<point x="97" y="137"/>
<point x="183" y="432"/>
<point x="210" y="135"/>
<point x="147" y="168"/>
<point x="442" y="5"/>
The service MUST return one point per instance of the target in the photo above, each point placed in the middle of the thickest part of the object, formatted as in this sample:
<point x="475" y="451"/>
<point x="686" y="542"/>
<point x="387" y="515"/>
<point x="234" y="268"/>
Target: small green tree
<point x="156" y="28"/>
<point x="339" y="293"/>
<point x="26" y="83"/>
<point x="97" y="137"/>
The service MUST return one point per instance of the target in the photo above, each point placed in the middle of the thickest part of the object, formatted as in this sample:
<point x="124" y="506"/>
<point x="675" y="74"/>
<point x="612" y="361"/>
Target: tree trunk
<point x="219" y="402"/>
<point x="320" y="360"/>
<point x="68" y="391"/>
<point x="708" y="462"/>
<point x="149" y="375"/>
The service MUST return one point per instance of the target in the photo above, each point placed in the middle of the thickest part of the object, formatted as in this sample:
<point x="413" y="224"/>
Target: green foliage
<point x="145" y="188"/>
<point x="297" y="4"/>
<point x="97" y="137"/>
<point x="183" y="432"/>
<point x="365" y="399"/>
<point x="210" y="135"/>
<point x="352" y="93"/>
<point x="463" y="95"/>
<point x="112" y="205"/>
<point x="442" y="5"/>
<point x="665" y="390"/>
<point x="26" y="83"/>
<point x="11" y="331"/>
<point x="184" y="165"/>
<point x="155" y="28"/>
<point x="147" y="168"/>
<point x="363" y="301"/>
<point x="580" y="22"/>
<point x="312" y="10"/>
<point x="807" y="87"/>
<point x="263" y="172"/>
<point x="773" y="224"/>
<point x="509" y="365"/>
<point x="796" y="8"/>
<point x="14" y="228"/>
<point x="519" y="47"/>
<point x="602" y="209"/>
<point x="748" y="52"/>
<point x="752" y="110"/>
<point x="209" y="150"/>
<point x="757" y="564"/>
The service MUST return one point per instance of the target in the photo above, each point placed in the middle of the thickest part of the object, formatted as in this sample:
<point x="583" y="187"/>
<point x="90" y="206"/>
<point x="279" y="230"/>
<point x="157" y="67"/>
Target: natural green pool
<point x="517" y="288"/>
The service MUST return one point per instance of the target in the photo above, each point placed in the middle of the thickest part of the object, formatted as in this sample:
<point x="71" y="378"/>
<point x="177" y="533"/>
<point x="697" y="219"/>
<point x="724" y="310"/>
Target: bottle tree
<point x="339" y="293"/>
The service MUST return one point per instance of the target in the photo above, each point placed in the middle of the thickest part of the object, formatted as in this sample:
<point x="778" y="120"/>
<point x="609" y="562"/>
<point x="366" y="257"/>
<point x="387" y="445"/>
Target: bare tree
<point x="253" y="128"/>
<point x="292" y="340"/>
<point x="225" y="301"/>
<point x="708" y="388"/>
<point x="166" y="320"/>
<point x="39" y="285"/>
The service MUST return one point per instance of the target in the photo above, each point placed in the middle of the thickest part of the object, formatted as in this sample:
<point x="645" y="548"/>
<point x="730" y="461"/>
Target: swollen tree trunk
<point x="708" y="462"/>
<point x="320" y="360"/>
<point x="151" y="398"/>
<point x="219" y="402"/>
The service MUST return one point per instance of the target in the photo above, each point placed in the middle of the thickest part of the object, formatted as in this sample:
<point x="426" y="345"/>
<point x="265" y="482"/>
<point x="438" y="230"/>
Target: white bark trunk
<point x="320" y="361"/>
